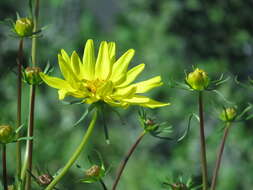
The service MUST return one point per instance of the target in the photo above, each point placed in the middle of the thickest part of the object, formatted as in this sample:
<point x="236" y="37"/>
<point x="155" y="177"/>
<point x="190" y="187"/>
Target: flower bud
<point x="32" y="75"/>
<point x="198" y="79"/>
<point x="179" y="186"/>
<point x="94" y="171"/>
<point x="6" y="134"/>
<point x="228" y="114"/>
<point x="24" y="27"/>
<point x="45" y="179"/>
<point x="11" y="187"/>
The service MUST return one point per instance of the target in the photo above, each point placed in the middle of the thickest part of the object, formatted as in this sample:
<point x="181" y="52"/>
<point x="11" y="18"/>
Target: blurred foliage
<point x="170" y="37"/>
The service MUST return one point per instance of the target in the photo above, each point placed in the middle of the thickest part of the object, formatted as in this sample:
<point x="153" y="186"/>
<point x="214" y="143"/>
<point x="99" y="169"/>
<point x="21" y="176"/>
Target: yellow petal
<point x="65" y="56"/>
<point x="112" y="51"/>
<point x="126" y="92"/>
<point x="75" y="63"/>
<point x="103" y="64"/>
<point x="55" y="82"/>
<point x="62" y="94"/>
<point x="121" y="65"/>
<point x="67" y="71"/>
<point x="132" y="74"/>
<point x="147" y="85"/>
<point x="145" y="102"/>
<point x="137" y="99"/>
<point x="106" y="89"/>
<point x="154" y="104"/>
<point x="89" y="60"/>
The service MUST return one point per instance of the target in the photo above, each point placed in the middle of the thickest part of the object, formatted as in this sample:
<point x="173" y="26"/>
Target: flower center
<point x="94" y="85"/>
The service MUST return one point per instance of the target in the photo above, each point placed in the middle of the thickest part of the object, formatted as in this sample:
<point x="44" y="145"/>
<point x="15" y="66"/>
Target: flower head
<point x="24" y="27"/>
<point x="32" y="75"/>
<point x="198" y="79"/>
<point x="228" y="114"/>
<point x="103" y="79"/>
<point x="6" y="134"/>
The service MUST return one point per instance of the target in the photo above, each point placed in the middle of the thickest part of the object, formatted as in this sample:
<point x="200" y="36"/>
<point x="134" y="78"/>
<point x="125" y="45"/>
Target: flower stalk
<point x="125" y="160"/>
<point x="29" y="145"/>
<point x="19" y="100"/>
<point x="76" y="154"/>
<point x="219" y="157"/>
<point x="202" y="142"/>
<point x="4" y="167"/>
<point x="30" y="135"/>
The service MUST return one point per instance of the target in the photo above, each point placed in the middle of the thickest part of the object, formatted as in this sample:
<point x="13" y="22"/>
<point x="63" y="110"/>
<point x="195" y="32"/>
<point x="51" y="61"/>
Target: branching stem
<point x="219" y="157"/>
<point x="126" y="158"/>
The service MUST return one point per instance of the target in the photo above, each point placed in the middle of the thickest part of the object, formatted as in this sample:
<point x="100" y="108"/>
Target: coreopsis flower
<point x="103" y="78"/>
<point x="198" y="79"/>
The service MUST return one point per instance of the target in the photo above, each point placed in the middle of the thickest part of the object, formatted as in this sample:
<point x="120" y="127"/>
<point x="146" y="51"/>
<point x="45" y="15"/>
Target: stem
<point x="30" y="135"/>
<point x="19" y="96"/>
<point x="76" y="153"/>
<point x="103" y="184"/>
<point x="202" y="143"/>
<point x="35" y="28"/>
<point x="4" y="167"/>
<point x="219" y="157"/>
<point x="124" y="162"/>
<point x="29" y="144"/>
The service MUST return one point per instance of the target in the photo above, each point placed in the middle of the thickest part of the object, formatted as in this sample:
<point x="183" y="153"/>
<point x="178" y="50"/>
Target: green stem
<point x="103" y="184"/>
<point x="202" y="142"/>
<point x="124" y="162"/>
<point x="219" y="158"/>
<point x="29" y="145"/>
<point x="76" y="153"/>
<point x="4" y="167"/>
<point x="19" y="96"/>
<point x="30" y="135"/>
<point x="35" y="28"/>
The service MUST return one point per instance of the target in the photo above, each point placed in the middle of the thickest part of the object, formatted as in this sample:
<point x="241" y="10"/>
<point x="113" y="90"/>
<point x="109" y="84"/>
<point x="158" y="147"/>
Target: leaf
<point x="107" y="140"/>
<point x="87" y="111"/>
<point x="222" y="96"/>
<point x="72" y="102"/>
<point x="25" y="138"/>
<point x="19" y="128"/>
<point x="249" y="107"/>
<point x="187" y="129"/>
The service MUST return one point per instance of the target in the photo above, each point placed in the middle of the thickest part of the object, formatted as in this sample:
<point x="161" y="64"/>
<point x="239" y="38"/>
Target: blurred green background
<point x="169" y="37"/>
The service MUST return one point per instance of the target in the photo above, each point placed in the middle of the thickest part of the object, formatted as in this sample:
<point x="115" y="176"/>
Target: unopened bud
<point x="10" y="187"/>
<point x="94" y="171"/>
<point x="24" y="27"/>
<point x="179" y="186"/>
<point x="198" y="79"/>
<point x="6" y="134"/>
<point x="32" y="75"/>
<point x="228" y="114"/>
<point x="45" y="179"/>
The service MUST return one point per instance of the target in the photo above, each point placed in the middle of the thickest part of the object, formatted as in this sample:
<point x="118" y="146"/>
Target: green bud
<point x="45" y="179"/>
<point x="198" y="79"/>
<point x="179" y="186"/>
<point x="11" y="187"/>
<point x="6" y="134"/>
<point x="94" y="171"/>
<point x="228" y="114"/>
<point x="32" y="75"/>
<point x="24" y="27"/>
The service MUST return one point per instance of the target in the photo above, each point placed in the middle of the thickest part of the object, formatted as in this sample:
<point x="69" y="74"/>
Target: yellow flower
<point x="103" y="79"/>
